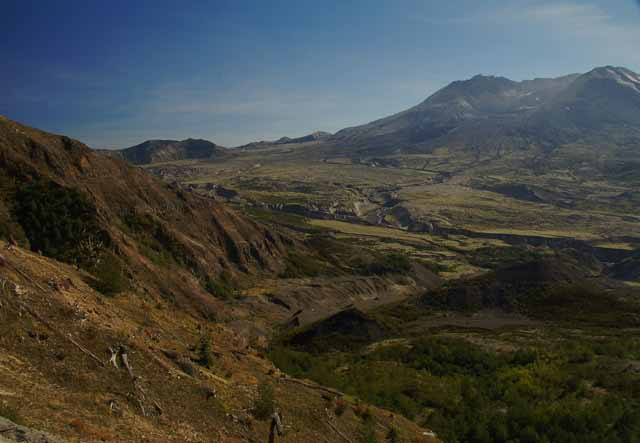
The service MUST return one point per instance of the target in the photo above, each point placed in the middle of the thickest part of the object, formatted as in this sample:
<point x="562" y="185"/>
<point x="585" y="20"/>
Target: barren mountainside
<point x="150" y="226"/>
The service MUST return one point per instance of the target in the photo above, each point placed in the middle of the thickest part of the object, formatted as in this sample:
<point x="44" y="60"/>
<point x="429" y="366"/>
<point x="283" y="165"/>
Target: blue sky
<point x="115" y="73"/>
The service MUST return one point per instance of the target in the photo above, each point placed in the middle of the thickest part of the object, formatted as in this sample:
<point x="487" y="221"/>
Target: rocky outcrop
<point x="11" y="432"/>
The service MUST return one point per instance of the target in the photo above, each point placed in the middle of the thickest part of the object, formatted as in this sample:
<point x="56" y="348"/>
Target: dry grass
<point x="68" y="394"/>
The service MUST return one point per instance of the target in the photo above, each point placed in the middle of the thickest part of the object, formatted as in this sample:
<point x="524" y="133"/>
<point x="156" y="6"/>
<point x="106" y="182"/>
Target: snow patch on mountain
<point x="625" y="78"/>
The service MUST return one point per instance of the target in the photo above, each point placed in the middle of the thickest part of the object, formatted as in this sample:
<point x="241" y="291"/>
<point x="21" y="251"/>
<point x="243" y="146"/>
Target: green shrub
<point x="11" y="414"/>
<point x="157" y="242"/>
<point x="205" y="353"/>
<point x="368" y="431"/>
<point x="222" y="287"/>
<point x="394" y="263"/>
<point x="110" y="275"/>
<point x="264" y="406"/>
<point x="393" y="436"/>
<point x="340" y="407"/>
<point x="466" y="393"/>
<point x="186" y="366"/>
<point x="303" y="265"/>
<point x="57" y="221"/>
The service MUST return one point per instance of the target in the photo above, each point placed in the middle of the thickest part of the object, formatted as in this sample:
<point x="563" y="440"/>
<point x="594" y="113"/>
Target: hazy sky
<point x="115" y="73"/>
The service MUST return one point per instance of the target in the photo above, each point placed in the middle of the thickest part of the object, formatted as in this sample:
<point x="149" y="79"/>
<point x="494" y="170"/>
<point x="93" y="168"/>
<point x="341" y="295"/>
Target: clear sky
<point x="115" y="73"/>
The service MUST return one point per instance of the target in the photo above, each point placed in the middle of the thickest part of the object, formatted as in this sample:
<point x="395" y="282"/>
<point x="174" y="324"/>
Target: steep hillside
<point x="604" y="97"/>
<point x="601" y="107"/>
<point x="156" y="151"/>
<point x="190" y="380"/>
<point x="74" y="204"/>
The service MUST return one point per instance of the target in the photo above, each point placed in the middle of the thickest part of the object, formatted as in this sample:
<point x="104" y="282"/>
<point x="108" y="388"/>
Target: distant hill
<point x="156" y="151"/>
<point x="318" y="136"/>
<point x="550" y="288"/>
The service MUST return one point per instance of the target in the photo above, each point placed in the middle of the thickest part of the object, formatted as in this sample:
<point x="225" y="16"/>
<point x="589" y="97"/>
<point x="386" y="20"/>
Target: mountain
<point x="77" y="205"/>
<point x="318" y="136"/>
<point x="493" y="114"/>
<point x="315" y="136"/>
<point x="603" y="99"/>
<point x="156" y="151"/>
<point x="460" y="106"/>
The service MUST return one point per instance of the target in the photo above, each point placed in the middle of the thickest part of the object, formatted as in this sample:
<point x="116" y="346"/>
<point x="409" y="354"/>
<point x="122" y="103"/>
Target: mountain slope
<point x="494" y="115"/>
<point x="173" y="239"/>
<point x="191" y="380"/>
<point x="605" y="98"/>
<point x="155" y="151"/>
<point x="318" y="136"/>
<point x="315" y="136"/>
<point x="459" y="107"/>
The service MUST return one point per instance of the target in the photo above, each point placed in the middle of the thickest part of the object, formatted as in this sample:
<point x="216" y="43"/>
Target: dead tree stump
<point x="276" y="427"/>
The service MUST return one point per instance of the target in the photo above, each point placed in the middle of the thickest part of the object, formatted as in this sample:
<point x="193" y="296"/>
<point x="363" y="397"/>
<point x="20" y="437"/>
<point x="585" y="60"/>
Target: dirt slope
<point x="55" y="335"/>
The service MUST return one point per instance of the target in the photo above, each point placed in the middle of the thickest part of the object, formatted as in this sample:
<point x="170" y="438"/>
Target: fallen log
<point x="67" y="337"/>
<point x="158" y="408"/>
<point x="312" y="386"/>
<point x="125" y="361"/>
<point x="337" y="431"/>
<point x="86" y="351"/>
<point x="38" y="317"/>
<point x="276" y="427"/>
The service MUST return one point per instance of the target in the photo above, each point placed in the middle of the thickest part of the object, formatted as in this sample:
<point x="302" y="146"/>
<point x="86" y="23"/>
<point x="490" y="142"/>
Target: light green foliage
<point x="470" y="394"/>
